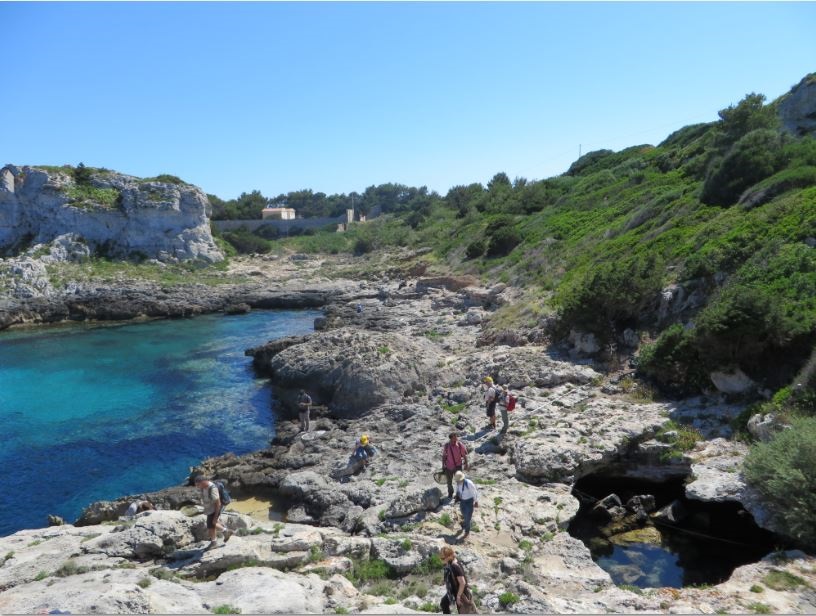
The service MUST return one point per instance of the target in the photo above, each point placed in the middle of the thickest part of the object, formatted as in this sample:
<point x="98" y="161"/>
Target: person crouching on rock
<point x="364" y="451"/>
<point x="468" y="497"/>
<point x="454" y="458"/>
<point x="138" y="506"/>
<point x="212" y="508"/>
<point x="456" y="587"/>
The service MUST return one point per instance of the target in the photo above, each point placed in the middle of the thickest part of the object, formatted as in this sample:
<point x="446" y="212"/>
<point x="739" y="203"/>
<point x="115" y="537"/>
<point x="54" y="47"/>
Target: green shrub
<point x="673" y="360"/>
<point x="756" y="588"/>
<point x="754" y="157"/>
<point x="475" y="249"/>
<point x="507" y="599"/>
<point x="612" y="296"/>
<point x="784" y="472"/>
<point x="226" y="609"/>
<point x="144" y="583"/>
<point x="246" y="242"/>
<point x="445" y="519"/>
<point x="502" y="238"/>
<point x="84" y="195"/>
<point x="367" y="570"/>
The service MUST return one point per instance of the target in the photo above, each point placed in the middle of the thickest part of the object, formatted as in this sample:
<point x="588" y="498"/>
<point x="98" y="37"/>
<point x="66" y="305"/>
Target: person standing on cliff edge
<point x="212" y="508"/>
<point x="304" y="408"/>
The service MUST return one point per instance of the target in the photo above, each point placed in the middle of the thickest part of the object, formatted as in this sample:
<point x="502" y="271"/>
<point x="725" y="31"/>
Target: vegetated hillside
<point x="703" y="246"/>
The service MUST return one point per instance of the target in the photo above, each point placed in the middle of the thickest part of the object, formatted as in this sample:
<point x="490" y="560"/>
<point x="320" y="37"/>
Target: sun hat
<point x="364" y="439"/>
<point x="488" y="379"/>
<point x="459" y="477"/>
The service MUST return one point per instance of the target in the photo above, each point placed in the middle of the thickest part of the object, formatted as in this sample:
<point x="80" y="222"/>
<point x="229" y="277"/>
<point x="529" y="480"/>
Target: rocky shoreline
<point x="400" y="361"/>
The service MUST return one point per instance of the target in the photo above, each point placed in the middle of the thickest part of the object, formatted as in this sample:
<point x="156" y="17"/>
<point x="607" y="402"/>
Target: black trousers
<point x="445" y="604"/>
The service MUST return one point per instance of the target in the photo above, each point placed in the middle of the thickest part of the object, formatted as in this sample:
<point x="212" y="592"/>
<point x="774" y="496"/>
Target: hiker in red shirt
<point x="454" y="458"/>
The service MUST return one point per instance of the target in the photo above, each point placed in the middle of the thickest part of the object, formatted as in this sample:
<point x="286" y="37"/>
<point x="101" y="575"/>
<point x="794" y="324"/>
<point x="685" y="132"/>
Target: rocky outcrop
<point x="354" y="371"/>
<point x="116" y="214"/>
<point x="797" y="108"/>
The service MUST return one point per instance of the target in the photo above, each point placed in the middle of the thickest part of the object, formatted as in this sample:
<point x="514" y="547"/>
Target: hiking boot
<point x="213" y="543"/>
<point x="227" y="534"/>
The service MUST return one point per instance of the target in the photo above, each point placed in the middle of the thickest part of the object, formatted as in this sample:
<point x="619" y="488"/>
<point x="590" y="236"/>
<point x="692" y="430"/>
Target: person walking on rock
<point x="304" y="409"/>
<point x="502" y="397"/>
<point x="491" y="398"/>
<point x="457" y="592"/>
<point x="454" y="458"/>
<point x="212" y="508"/>
<point x="468" y="497"/>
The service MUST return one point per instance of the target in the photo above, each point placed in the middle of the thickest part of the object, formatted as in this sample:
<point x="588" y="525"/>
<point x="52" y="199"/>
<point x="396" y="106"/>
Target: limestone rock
<point x="412" y="502"/>
<point x="797" y="108"/>
<point x="154" y="219"/>
<point x="733" y="382"/>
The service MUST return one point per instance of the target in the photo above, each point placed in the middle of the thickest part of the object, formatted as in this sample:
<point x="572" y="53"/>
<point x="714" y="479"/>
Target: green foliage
<point x="363" y="571"/>
<point x="612" y="296"/>
<point x="406" y="544"/>
<point x="754" y="157"/>
<point x="756" y="588"/>
<point x="69" y="568"/>
<point x="445" y="519"/>
<point x="226" y="609"/>
<point x="506" y="599"/>
<point x="748" y="115"/>
<point x="429" y="606"/>
<point x="166" y="178"/>
<point x="431" y="564"/>
<point x="475" y="249"/>
<point x="82" y="175"/>
<point x="144" y="582"/>
<point x="784" y="472"/>
<point x="246" y="242"/>
<point x="760" y="608"/>
<point x="502" y="237"/>
<point x="85" y="195"/>
<point x="783" y="580"/>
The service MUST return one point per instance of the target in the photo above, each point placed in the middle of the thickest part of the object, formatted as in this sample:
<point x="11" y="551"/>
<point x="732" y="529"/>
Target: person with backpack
<point x="304" y="408"/>
<point x="491" y="397"/>
<point x="457" y="591"/>
<point x="468" y="497"/>
<point x="214" y="497"/>
<point x="454" y="458"/>
<point x="504" y="397"/>
<point x="363" y="450"/>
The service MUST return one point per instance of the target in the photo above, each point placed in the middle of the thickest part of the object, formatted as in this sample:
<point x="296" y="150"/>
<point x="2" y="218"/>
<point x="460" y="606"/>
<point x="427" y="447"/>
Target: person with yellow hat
<point x="364" y="450"/>
<point x="491" y="398"/>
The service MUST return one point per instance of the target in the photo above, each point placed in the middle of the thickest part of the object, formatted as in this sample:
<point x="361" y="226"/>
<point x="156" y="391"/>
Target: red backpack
<point x="511" y="401"/>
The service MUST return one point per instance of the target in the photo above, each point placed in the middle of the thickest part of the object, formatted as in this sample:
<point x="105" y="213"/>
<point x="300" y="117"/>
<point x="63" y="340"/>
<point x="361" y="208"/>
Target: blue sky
<point x="339" y="96"/>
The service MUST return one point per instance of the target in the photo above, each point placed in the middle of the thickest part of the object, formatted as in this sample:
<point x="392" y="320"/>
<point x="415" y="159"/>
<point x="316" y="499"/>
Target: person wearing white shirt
<point x="468" y="497"/>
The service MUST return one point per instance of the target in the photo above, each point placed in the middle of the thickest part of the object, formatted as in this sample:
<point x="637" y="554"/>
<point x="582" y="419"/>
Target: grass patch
<point x="454" y="408"/>
<point x="144" y="582"/>
<point x="40" y="576"/>
<point x="446" y="520"/>
<point x="429" y="606"/>
<point x="782" y="580"/>
<point x="631" y="588"/>
<point x="484" y="482"/>
<point x="227" y="609"/>
<point x="406" y="544"/>
<point x="316" y="554"/>
<point x="364" y="571"/>
<point x="87" y="196"/>
<point x="756" y="588"/>
<point x="760" y="608"/>
<point x="69" y="568"/>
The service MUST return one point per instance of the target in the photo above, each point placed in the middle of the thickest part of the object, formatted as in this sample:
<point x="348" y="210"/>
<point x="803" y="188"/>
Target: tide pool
<point x="92" y="412"/>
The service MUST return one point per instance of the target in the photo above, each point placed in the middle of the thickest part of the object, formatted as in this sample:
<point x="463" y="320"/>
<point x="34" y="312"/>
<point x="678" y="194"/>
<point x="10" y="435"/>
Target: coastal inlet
<point x="91" y="412"/>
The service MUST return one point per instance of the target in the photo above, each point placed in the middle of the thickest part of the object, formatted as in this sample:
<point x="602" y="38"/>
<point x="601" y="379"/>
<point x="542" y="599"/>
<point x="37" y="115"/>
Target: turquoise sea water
<point x="92" y="412"/>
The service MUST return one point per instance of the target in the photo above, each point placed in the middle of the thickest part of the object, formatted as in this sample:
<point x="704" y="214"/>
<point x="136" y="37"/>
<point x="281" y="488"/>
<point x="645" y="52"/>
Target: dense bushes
<point x="673" y="360"/>
<point x="783" y="472"/>
<point x="246" y="242"/>
<point x="754" y="157"/>
<point x="612" y="296"/>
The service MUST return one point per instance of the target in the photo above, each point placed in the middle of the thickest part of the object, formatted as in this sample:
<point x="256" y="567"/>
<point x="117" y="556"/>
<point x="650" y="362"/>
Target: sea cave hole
<point x="649" y="535"/>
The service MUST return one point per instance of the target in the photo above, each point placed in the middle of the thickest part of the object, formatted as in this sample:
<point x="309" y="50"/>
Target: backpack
<point x="223" y="494"/>
<point x="511" y="401"/>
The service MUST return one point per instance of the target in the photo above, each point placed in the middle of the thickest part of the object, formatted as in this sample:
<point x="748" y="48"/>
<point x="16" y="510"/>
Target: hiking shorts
<point x="491" y="409"/>
<point x="212" y="519"/>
